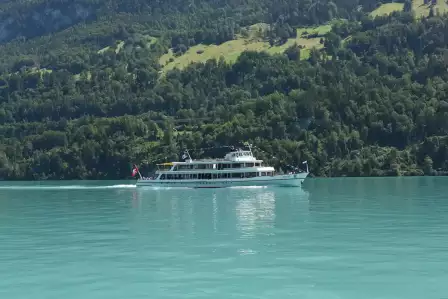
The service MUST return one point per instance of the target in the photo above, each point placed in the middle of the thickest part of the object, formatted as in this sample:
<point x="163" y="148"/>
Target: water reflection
<point x="248" y="211"/>
<point x="254" y="212"/>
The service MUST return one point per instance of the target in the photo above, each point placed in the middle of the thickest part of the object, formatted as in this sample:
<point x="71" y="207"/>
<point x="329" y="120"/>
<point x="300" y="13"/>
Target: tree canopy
<point x="85" y="98"/>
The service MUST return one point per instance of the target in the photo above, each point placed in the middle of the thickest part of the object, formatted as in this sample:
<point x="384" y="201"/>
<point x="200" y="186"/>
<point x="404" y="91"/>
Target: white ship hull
<point x="287" y="180"/>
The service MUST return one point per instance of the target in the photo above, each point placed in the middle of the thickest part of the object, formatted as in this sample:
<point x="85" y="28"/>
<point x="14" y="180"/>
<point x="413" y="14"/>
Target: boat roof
<point x="238" y="156"/>
<point x="206" y="161"/>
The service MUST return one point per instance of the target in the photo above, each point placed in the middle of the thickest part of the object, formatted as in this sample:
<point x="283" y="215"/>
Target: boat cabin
<point x="237" y="164"/>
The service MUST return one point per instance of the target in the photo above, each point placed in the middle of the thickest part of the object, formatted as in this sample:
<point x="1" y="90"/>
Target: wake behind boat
<point x="237" y="168"/>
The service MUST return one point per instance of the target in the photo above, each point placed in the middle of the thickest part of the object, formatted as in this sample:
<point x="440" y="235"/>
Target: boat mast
<point x="187" y="155"/>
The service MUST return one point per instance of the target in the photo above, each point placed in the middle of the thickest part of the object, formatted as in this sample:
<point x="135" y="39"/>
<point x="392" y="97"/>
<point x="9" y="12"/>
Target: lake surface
<point x="333" y="238"/>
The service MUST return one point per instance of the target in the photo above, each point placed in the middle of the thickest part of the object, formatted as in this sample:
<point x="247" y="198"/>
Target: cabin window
<point x="163" y="167"/>
<point x="182" y="167"/>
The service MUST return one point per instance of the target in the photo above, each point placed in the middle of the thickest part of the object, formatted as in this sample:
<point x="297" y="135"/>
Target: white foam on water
<point x="247" y="187"/>
<point x="69" y="187"/>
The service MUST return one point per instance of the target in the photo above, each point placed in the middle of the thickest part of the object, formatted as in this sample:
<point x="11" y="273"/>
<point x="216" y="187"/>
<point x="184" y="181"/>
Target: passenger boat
<point x="237" y="168"/>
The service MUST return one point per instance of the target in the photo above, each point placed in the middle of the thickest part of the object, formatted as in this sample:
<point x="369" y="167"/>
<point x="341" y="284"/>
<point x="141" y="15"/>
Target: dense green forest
<point x="82" y="94"/>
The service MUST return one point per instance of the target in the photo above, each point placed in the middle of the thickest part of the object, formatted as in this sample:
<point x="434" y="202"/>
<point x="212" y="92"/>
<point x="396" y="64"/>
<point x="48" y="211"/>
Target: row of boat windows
<point x="242" y="154"/>
<point x="214" y="176"/>
<point x="218" y="166"/>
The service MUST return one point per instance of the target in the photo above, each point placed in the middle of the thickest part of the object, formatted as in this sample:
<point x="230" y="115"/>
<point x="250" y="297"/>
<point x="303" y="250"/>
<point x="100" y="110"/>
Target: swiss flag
<point x="134" y="171"/>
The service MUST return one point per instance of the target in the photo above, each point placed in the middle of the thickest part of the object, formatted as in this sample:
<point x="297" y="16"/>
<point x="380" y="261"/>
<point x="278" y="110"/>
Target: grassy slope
<point x="232" y="49"/>
<point x="421" y="9"/>
<point x="386" y="9"/>
<point x="117" y="50"/>
<point x="418" y="7"/>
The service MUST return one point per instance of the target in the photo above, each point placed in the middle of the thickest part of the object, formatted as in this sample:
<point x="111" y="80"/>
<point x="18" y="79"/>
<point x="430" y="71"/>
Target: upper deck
<point x="238" y="158"/>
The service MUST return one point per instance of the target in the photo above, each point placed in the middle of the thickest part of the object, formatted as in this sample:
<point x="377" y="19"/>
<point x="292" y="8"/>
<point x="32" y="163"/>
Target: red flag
<point x="134" y="171"/>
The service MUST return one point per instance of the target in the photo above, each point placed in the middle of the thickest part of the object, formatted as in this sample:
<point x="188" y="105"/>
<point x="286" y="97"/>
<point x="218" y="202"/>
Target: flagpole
<point x="306" y="163"/>
<point x="138" y="171"/>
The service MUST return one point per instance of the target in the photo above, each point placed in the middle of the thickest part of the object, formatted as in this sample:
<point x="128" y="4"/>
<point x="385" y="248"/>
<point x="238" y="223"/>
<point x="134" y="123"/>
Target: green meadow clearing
<point x="386" y="9"/>
<point x="422" y="9"/>
<point x="418" y="6"/>
<point x="231" y="50"/>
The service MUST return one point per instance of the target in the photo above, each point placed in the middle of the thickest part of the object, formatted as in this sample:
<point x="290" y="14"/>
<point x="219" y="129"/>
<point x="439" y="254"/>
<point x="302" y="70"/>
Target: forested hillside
<point x="83" y="91"/>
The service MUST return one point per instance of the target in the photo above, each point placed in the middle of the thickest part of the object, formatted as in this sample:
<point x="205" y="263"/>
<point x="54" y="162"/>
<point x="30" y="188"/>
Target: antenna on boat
<point x="249" y="146"/>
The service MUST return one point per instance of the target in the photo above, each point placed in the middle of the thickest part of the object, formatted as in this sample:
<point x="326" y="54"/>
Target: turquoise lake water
<point x="333" y="238"/>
